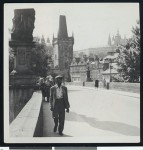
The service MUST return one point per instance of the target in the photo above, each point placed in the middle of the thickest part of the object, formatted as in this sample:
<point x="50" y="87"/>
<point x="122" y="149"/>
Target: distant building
<point x="109" y="74"/>
<point x="78" y="70"/>
<point x="100" y="51"/>
<point x="79" y="67"/>
<point x="62" y="46"/>
<point x="116" y="40"/>
<point x="110" y="48"/>
<point x="109" y="41"/>
<point x="43" y="40"/>
<point x="96" y="69"/>
<point x="110" y="67"/>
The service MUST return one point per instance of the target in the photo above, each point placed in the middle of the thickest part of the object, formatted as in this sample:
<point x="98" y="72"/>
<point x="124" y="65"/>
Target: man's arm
<point x="67" y="100"/>
<point x="51" y="98"/>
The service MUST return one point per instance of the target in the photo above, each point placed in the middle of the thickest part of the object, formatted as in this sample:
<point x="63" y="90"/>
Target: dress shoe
<point x="55" y="129"/>
<point x="60" y="133"/>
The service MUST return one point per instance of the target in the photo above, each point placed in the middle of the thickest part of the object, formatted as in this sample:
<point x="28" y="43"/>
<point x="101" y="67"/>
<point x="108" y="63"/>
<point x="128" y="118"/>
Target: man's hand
<point x="67" y="110"/>
<point x="52" y="109"/>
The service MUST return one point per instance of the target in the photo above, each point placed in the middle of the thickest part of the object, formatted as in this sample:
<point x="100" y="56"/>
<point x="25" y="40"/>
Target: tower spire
<point x="118" y="32"/>
<point x="62" y="27"/>
<point x="109" y="41"/>
<point x="72" y="34"/>
<point x="42" y="39"/>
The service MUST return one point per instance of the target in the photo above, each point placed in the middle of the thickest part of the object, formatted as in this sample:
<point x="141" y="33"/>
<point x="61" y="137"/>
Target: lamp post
<point x="88" y="73"/>
<point x="110" y="73"/>
<point x="110" y="67"/>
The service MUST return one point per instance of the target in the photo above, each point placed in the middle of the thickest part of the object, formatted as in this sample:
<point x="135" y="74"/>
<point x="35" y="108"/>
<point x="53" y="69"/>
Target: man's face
<point x="59" y="80"/>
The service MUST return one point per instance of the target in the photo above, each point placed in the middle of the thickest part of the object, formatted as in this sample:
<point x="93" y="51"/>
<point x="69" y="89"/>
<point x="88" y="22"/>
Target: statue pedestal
<point x="22" y="59"/>
<point x="21" y="88"/>
<point x="22" y="80"/>
<point x="88" y="80"/>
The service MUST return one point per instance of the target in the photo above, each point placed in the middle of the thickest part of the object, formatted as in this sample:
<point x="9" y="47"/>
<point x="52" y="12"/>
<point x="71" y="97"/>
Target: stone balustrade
<point x="29" y="121"/>
<point x="120" y="86"/>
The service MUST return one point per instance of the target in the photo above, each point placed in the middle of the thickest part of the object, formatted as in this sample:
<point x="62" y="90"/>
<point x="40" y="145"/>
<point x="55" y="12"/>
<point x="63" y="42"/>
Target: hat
<point x="48" y="77"/>
<point x="59" y="76"/>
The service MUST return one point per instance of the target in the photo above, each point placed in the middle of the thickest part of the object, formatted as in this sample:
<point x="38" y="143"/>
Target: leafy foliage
<point x="129" y="57"/>
<point x="40" y="59"/>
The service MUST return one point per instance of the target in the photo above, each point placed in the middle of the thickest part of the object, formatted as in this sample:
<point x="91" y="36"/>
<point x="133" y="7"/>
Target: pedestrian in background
<point x="59" y="102"/>
<point x="43" y="88"/>
<point x="48" y="85"/>
<point x="97" y="83"/>
<point x="104" y="83"/>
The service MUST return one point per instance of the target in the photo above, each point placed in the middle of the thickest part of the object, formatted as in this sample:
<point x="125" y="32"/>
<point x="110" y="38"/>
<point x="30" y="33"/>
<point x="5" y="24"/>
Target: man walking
<point x="59" y="102"/>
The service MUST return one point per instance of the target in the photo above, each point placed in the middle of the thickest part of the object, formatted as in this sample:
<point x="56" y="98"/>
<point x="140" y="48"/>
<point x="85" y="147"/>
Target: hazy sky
<point x="91" y="23"/>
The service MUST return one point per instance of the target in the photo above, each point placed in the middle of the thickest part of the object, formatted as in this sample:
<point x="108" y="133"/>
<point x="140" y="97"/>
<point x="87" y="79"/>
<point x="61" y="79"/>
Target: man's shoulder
<point x="64" y="87"/>
<point x="53" y="87"/>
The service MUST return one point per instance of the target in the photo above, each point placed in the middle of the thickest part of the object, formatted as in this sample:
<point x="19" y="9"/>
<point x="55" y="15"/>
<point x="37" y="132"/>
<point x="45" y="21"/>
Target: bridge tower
<point x="63" y="48"/>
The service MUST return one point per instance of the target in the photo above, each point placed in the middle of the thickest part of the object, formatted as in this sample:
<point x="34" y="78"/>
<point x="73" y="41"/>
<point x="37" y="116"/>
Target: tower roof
<point x="109" y="41"/>
<point x="62" y="27"/>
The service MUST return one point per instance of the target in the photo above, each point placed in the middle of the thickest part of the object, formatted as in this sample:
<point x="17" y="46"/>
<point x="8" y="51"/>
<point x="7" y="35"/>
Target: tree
<point x="129" y="57"/>
<point x="40" y="58"/>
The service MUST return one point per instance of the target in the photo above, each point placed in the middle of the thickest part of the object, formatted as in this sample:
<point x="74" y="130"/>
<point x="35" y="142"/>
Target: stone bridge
<point x="22" y="81"/>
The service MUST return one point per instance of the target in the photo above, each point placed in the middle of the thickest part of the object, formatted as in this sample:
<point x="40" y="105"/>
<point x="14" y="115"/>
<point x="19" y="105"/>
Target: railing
<point x="121" y="86"/>
<point x="28" y="122"/>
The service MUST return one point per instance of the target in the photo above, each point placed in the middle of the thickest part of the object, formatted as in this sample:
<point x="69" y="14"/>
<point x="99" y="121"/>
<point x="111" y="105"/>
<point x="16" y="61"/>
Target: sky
<point x="91" y="23"/>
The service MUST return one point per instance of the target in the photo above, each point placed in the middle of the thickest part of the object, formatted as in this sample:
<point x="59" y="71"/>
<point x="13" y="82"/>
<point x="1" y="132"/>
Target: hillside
<point x="100" y="51"/>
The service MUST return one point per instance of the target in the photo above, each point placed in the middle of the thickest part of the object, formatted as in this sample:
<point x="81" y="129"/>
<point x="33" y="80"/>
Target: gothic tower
<point x="62" y="46"/>
<point x="109" y="41"/>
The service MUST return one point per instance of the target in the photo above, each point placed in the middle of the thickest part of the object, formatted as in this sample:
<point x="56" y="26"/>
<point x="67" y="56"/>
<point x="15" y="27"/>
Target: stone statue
<point x="23" y="25"/>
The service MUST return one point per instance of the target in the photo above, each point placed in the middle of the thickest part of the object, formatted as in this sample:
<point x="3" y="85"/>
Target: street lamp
<point x="110" y="67"/>
<point x="110" y="73"/>
<point x="88" y="73"/>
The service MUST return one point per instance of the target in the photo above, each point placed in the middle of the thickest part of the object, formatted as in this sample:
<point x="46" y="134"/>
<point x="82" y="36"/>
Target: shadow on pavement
<point x="48" y="123"/>
<point x="74" y="90"/>
<point x="117" y="127"/>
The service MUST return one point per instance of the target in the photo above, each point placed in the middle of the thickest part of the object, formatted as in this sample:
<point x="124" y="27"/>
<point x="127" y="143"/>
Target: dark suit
<point x="59" y="106"/>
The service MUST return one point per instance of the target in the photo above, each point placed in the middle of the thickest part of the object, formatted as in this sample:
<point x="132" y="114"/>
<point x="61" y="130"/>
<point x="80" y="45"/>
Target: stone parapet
<point x="25" y="124"/>
<point x="120" y="86"/>
<point x="22" y="80"/>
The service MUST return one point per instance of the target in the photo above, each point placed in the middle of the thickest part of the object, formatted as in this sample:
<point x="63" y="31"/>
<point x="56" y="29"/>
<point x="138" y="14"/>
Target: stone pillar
<point x="22" y="80"/>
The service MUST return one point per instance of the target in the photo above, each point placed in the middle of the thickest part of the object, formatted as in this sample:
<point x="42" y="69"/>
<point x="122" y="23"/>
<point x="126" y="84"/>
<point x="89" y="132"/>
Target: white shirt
<point x="59" y="92"/>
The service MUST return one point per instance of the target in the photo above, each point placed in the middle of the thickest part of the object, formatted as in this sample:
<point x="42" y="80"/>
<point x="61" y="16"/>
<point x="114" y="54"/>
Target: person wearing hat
<point x="48" y="86"/>
<point x="43" y="88"/>
<point x="59" y="102"/>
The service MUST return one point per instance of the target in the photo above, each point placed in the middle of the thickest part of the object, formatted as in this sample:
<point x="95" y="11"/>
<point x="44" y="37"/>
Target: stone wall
<point x="28" y="122"/>
<point x="128" y="87"/>
<point x="18" y="97"/>
<point x="121" y="86"/>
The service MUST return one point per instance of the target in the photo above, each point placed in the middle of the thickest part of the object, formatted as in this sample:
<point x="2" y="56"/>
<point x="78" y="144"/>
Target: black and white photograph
<point x="71" y="73"/>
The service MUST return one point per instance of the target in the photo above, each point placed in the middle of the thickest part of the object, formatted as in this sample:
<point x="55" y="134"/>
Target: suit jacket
<point x="53" y="96"/>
